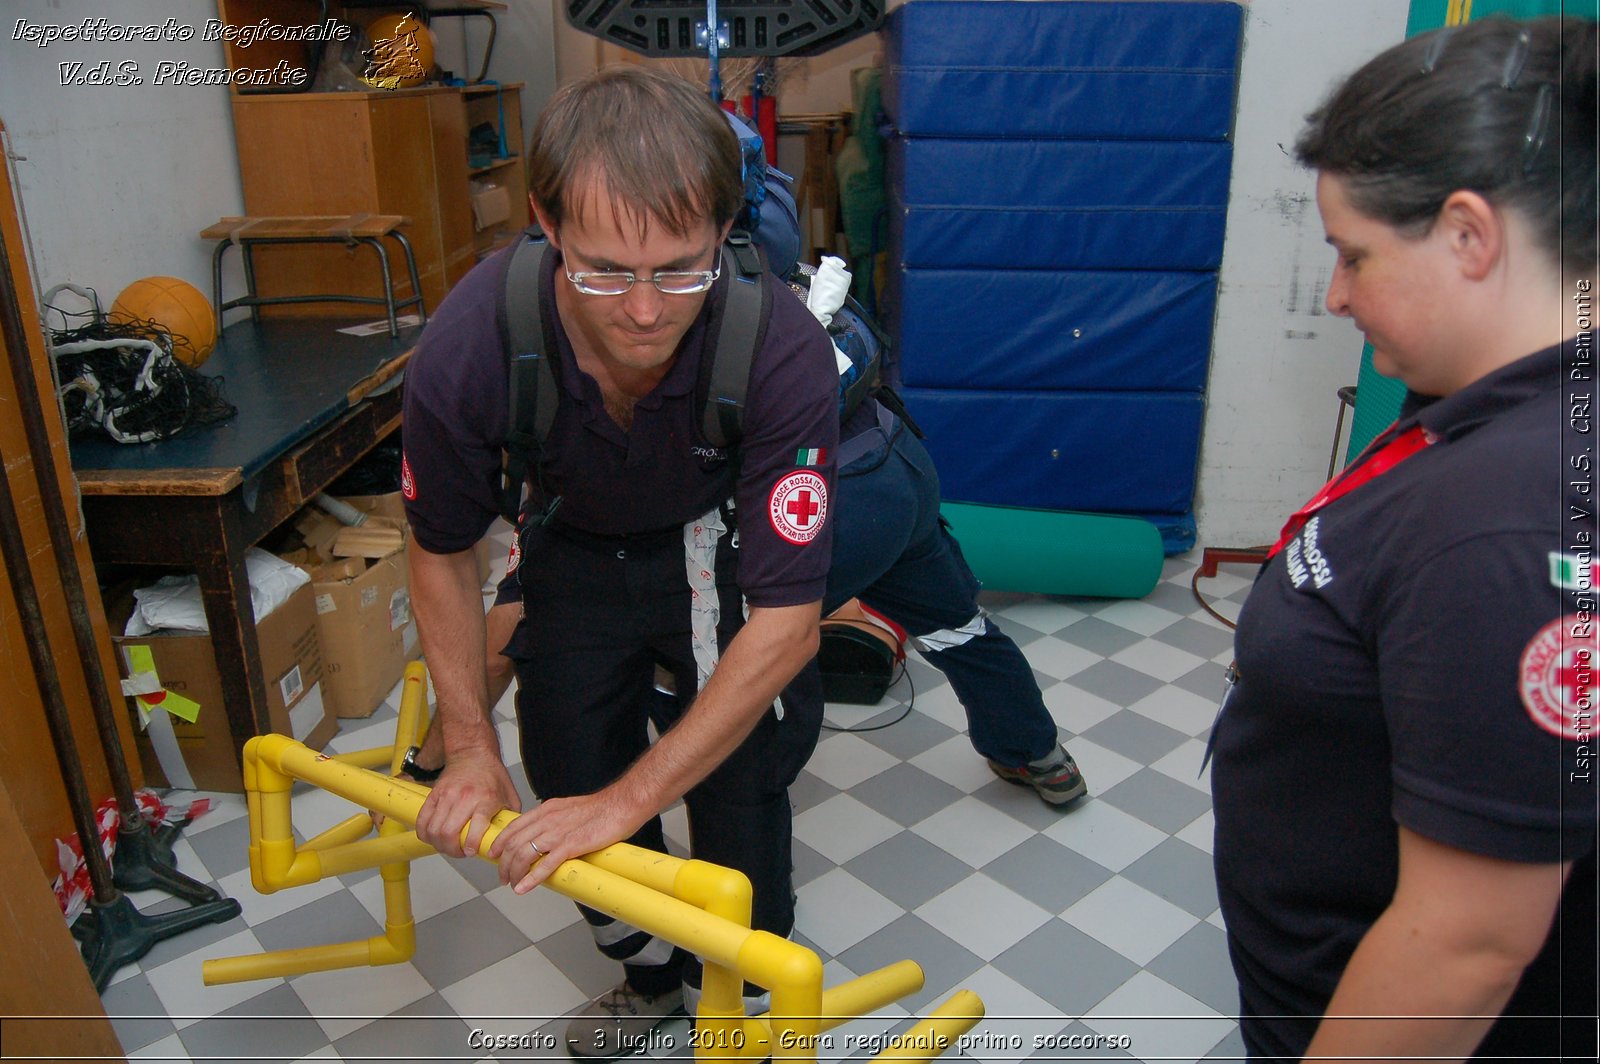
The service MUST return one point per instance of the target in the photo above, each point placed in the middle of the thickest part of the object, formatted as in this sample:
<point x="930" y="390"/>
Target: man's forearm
<point x="1396" y="973"/>
<point x="774" y="645"/>
<point x="446" y="598"/>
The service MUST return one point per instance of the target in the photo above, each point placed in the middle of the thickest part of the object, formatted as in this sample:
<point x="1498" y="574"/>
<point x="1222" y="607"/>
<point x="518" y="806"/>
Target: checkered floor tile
<point x="1090" y="933"/>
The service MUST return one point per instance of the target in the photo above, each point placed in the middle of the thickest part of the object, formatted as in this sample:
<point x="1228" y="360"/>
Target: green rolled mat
<point x="1054" y="552"/>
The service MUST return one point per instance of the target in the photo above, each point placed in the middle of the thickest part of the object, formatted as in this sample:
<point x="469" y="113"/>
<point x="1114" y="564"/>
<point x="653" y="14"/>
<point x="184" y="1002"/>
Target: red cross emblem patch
<point x="1557" y="675"/>
<point x="798" y="506"/>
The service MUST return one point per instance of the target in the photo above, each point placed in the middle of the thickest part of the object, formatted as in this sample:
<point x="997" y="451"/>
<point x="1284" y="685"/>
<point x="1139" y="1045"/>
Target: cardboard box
<point x="365" y="626"/>
<point x="491" y="205"/>
<point x="392" y="505"/>
<point x="199" y="754"/>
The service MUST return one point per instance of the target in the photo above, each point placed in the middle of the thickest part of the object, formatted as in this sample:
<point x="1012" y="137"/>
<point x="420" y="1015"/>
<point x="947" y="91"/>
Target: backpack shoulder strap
<point x="531" y="374"/>
<point x="742" y="332"/>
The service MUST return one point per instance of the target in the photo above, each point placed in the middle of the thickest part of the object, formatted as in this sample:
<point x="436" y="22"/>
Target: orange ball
<point x="178" y="307"/>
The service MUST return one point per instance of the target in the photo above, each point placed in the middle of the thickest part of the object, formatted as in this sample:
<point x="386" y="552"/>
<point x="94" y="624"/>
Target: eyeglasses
<point x="668" y="282"/>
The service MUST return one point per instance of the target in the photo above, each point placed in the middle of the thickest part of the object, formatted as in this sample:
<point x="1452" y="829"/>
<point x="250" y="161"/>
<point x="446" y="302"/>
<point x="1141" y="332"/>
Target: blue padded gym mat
<point x="1020" y="204"/>
<point x="982" y="68"/>
<point x="1108" y="452"/>
<point x="1054" y="330"/>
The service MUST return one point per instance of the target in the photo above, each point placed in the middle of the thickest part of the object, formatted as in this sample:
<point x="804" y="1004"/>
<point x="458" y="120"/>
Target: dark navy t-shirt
<point x="1402" y="661"/>
<point x="659" y="474"/>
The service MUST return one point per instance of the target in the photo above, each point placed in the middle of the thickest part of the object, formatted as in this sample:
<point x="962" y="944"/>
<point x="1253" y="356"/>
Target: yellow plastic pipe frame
<point x="704" y="908"/>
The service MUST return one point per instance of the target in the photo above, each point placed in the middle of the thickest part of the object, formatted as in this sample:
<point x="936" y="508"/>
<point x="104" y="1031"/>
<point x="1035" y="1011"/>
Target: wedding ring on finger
<point x="534" y="846"/>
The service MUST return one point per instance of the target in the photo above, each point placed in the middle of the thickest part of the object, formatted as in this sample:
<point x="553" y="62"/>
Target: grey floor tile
<point x="1196" y="637"/>
<point x="350" y="879"/>
<point x="908" y="869"/>
<point x="1134" y="735"/>
<point x="909" y="737"/>
<point x="1158" y="800"/>
<point x="1047" y="873"/>
<point x="136" y="1012"/>
<point x="573" y="951"/>
<point x="1178" y="566"/>
<point x="799" y="938"/>
<point x="1230" y="1048"/>
<point x="1115" y="683"/>
<point x="1100" y="637"/>
<point x="276" y="1024"/>
<point x="423" y="1029"/>
<point x="995" y="601"/>
<point x="1065" y="967"/>
<point x="1198" y="965"/>
<point x="944" y="962"/>
<point x="920" y="678"/>
<point x="224" y="849"/>
<point x="1180" y="873"/>
<point x="1204" y="680"/>
<point x="1022" y="803"/>
<point x="905" y="794"/>
<point x="808" y="864"/>
<point x="1240" y="595"/>
<point x="463" y="940"/>
<point x="336" y="917"/>
<point x="808" y="791"/>
<point x="1172" y="596"/>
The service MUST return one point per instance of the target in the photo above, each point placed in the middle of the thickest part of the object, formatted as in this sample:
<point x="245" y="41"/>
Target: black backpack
<point x="529" y="341"/>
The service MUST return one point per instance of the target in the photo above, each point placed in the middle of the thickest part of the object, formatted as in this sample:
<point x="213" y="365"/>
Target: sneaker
<point x="618" y="1023"/>
<point x="1056" y="778"/>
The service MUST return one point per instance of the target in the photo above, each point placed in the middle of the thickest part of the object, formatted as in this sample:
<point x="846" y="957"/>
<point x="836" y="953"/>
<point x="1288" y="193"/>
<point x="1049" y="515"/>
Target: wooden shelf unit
<point x="400" y="151"/>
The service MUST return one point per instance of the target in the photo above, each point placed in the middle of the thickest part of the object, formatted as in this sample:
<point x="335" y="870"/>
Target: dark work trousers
<point x="599" y="613"/>
<point x="893" y="552"/>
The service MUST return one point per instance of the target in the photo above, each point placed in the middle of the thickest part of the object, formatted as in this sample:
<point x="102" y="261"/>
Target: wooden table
<point x="312" y="401"/>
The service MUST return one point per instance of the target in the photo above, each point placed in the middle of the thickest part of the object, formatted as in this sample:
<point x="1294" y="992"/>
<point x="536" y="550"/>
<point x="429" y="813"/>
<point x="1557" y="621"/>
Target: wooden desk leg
<point x="225" y="589"/>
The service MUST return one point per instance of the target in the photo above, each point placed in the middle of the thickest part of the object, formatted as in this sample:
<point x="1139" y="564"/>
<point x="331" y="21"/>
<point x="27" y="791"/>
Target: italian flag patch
<point x="810" y="456"/>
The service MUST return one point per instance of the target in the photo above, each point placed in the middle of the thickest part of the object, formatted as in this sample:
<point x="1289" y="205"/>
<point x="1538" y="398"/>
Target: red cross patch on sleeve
<point x="798" y="506"/>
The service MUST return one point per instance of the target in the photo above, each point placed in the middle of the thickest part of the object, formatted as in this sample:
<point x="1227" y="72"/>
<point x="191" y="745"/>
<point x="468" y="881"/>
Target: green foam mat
<point x="1053" y="552"/>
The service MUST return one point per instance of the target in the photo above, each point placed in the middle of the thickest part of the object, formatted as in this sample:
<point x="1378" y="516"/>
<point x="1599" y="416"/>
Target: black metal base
<point x="115" y="934"/>
<point x="145" y="861"/>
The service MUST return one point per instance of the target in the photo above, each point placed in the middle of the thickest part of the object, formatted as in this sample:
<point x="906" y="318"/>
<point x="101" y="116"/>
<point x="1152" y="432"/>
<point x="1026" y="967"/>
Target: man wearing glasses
<point x="662" y="547"/>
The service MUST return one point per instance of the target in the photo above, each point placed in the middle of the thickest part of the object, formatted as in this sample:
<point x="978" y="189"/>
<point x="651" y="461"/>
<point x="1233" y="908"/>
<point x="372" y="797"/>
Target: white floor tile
<point x="982" y="915"/>
<point x="347" y="1000"/>
<point x="1155" y="658"/>
<point x="842" y="827"/>
<point x="846" y="760"/>
<point x="1015" y="1020"/>
<point x="1105" y="834"/>
<point x="1183" y="765"/>
<point x="515" y="995"/>
<point x="259" y="908"/>
<point x="170" y="1050"/>
<point x="956" y="763"/>
<point x="435" y="887"/>
<point x="1160" y="1021"/>
<point x="1199" y="833"/>
<point x="942" y="705"/>
<point x="1042" y="615"/>
<point x="1102" y="768"/>
<point x="1137" y="616"/>
<point x="836" y="910"/>
<point x="1178" y="709"/>
<point x="973" y="830"/>
<point x="537" y="914"/>
<point x="1131" y="920"/>
<point x="1075" y="709"/>
<point x="1059" y="658"/>
<point x="183" y="992"/>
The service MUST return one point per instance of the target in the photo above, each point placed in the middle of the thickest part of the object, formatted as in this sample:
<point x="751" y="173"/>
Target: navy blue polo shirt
<point x="657" y="475"/>
<point x="1400" y="661"/>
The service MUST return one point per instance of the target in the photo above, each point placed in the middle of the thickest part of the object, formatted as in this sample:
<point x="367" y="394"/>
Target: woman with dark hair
<point x="1405" y="795"/>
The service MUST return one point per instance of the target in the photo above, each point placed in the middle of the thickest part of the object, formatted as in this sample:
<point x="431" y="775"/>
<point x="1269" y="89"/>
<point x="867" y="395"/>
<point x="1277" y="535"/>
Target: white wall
<point x="116" y="181"/>
<point x="1278" y="357"/>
